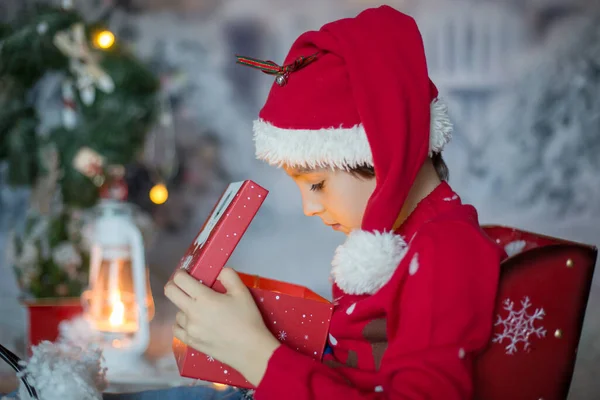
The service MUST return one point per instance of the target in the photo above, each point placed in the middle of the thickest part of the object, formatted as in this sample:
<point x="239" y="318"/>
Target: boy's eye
<point x="316" y="187"/>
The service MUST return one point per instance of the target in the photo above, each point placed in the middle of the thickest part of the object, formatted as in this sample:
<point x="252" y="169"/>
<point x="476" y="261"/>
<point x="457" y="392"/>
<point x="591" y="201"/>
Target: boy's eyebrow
<point x="297" y="171"/>
<point x="304" y="170"/>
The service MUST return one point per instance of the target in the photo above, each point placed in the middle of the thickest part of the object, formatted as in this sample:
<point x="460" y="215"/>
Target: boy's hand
<point x="227" y="326"/>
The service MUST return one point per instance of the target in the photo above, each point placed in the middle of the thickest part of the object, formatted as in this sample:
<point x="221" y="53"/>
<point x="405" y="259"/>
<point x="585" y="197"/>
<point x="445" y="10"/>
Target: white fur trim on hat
<point x="334" y="147"/>
<point x="367" y="261"/>
<point x="441" y="127"/>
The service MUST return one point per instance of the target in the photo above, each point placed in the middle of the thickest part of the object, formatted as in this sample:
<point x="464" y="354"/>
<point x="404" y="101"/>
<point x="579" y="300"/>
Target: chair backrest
<point x="543" y="293"/>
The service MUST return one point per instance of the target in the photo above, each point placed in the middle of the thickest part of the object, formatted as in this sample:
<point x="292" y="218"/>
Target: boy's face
<point x="337" y="197"/>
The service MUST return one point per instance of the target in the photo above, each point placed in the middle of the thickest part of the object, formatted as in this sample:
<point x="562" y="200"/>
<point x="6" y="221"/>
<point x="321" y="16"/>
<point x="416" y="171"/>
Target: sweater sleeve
<point x="439" y="315"/>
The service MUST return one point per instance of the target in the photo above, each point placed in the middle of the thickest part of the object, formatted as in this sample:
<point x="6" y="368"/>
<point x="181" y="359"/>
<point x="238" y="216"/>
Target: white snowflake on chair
<point x="518" y="325"/>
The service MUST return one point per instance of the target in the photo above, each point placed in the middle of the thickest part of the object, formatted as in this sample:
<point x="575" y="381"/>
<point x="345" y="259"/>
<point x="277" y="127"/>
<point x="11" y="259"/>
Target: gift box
<point x="295" y="315"/>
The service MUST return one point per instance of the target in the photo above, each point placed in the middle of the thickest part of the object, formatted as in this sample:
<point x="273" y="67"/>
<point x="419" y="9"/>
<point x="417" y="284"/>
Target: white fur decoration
<point x="333" y="147"/>
<point x="367" y="261"/>
<point x="441" y="129"/>
<point x="341" y="148"/>
<point x="78" y="331"/>
<point x="60" y="371"/>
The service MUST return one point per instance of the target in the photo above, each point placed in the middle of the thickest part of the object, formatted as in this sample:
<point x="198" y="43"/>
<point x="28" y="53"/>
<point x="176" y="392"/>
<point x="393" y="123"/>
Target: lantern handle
<point x="138" y="266"/>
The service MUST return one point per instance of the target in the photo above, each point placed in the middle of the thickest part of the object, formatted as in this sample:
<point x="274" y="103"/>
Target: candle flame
<point x="117" y="316"/>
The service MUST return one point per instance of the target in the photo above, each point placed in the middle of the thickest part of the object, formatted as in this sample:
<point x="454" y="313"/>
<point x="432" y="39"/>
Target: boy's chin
<point x="346" y="231"/>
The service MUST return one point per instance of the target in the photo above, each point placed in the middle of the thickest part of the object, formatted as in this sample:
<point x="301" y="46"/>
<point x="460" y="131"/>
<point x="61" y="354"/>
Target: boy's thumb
<point x="230" y="281"/>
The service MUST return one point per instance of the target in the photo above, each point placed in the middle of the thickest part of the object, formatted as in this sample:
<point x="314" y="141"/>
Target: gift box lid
<point x="222" y="230"/>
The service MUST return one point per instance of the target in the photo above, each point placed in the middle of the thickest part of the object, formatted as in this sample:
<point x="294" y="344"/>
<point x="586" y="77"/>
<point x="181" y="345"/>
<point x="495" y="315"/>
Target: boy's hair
<point x="368" y="172"/>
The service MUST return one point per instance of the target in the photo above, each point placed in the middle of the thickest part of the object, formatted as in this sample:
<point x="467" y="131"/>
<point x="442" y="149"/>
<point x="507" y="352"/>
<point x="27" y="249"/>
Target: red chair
<point x="541" y="304"/>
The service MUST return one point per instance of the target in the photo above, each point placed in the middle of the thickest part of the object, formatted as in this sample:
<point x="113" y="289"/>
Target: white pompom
<point x="441" y="127"/>
<point x="367" y="260"/>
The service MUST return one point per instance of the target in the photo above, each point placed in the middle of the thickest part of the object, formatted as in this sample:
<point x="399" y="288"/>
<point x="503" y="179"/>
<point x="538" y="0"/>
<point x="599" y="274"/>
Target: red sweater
<point x="417" y="336"/>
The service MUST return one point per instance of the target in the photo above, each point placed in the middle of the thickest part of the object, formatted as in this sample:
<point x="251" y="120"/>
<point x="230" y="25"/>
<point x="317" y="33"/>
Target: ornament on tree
<point x="159" y="194"/>
<point x="115" y="186"/>
<point x="163" y="163"/>
<point x="110" y="178"/>
<point x="69" y="114"/>
<point x="90" y="164"/>
<point x="83" y="63"/>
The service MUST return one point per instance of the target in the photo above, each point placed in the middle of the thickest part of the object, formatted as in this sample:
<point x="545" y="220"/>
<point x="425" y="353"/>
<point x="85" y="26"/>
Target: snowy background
<point x="522" y="79"/>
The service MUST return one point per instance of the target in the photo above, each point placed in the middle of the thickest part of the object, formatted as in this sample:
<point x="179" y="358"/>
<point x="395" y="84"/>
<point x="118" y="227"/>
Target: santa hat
<point x="355" y="93"/>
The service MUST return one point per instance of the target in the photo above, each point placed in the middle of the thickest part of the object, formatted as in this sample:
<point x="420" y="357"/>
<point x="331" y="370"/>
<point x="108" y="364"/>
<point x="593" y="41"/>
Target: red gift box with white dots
<point x="298" y="317"/>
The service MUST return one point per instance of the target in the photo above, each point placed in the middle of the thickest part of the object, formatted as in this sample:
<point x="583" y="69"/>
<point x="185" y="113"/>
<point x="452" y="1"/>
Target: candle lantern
<point x="118" y="303"/>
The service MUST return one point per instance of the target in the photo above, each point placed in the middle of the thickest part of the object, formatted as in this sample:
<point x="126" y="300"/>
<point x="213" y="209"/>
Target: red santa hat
<point x="357" y="92"/>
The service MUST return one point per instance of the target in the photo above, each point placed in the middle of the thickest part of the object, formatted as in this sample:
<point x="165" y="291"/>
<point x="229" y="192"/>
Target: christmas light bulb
<point x="159" y="193"/>
<point x="105" y="39"/>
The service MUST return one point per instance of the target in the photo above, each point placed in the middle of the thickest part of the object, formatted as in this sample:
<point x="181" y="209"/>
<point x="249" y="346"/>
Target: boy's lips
<point x="335" y="227"/>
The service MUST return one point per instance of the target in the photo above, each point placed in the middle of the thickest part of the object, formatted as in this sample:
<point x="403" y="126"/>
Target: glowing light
<point x="105" y="39"/>
<point x="117" y="316"/>
<point x="159" y="194"/>
<point x="220" y="386"/>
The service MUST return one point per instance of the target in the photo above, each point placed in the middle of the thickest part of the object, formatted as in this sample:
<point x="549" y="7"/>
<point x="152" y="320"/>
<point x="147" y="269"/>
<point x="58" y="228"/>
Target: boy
<point x="354" y="119"/>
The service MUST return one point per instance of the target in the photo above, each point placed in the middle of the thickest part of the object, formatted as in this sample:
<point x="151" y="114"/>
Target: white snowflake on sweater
<point x="282" y="335"/>
<point x="518" y="325"/>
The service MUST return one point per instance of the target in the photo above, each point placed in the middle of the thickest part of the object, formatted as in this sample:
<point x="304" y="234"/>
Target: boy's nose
<point x="311" y="207"/>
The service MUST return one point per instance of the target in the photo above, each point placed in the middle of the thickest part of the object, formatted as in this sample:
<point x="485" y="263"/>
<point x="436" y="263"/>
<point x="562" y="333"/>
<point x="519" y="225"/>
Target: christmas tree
<point x="109" y="103"/>
<point x="544" y="133"/>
